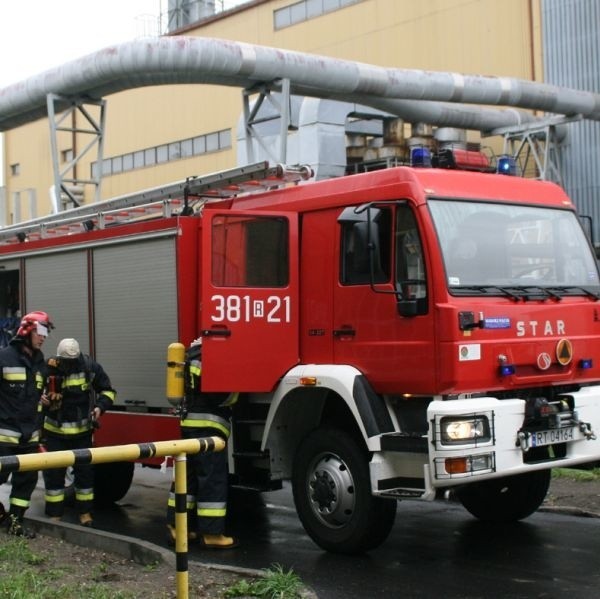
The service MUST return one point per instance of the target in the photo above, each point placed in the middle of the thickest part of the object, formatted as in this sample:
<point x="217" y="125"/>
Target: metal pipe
<point x="180" y="59"/>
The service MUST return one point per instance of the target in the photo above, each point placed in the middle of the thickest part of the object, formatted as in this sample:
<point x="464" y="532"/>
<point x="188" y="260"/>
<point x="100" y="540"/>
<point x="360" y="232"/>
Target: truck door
<point x="382" y="320"/>
<point x="250" y="312"/>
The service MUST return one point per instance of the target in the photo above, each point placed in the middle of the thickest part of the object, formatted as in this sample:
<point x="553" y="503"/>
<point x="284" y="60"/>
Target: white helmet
<point x="68" y="348"/>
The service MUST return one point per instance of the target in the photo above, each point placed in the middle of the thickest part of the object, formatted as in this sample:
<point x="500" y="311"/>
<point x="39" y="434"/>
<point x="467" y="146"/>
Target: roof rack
<point x="166" y="200"/>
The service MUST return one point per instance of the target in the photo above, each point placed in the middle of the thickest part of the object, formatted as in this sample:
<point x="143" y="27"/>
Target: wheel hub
<point x="331" y="491"/>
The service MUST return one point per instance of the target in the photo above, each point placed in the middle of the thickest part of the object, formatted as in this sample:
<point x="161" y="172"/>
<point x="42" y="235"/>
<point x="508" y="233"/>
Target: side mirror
<point x="407" y="307"/>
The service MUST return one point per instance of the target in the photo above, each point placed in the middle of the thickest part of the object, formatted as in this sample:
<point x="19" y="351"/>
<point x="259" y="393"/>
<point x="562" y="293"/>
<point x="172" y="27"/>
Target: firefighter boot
<point x="192" y="535"/>
<point x="14" y="526"/>
<point x="219" y="542"/>
<point x="86" y="519"/>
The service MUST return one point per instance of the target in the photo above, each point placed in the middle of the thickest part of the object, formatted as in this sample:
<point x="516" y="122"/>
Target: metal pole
<point x="114" y="453"/>
<point x="181" y="527"/>
<point x="126" y="453"/>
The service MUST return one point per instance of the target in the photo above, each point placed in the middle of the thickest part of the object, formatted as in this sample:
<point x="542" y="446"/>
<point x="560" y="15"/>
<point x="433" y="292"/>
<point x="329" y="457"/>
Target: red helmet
<point x="30" y="321"/>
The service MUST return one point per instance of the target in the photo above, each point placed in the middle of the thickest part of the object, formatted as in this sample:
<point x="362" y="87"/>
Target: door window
<point x="250" y="251"/>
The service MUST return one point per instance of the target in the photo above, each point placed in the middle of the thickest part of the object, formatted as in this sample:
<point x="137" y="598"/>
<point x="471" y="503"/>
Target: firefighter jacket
<point x="21" y="388"/>
<point x="74" y="389"/>
<point x="204" y="410"/>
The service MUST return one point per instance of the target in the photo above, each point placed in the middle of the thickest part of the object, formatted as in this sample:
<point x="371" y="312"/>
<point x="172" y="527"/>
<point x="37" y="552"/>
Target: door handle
<point x="216" y="333"/>
<point x="344" y="332"/>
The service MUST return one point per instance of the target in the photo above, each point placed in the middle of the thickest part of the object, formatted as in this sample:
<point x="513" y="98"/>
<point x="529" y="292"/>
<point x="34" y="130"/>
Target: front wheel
<point x="332" y="493"/>
<point x="506" y="499"/>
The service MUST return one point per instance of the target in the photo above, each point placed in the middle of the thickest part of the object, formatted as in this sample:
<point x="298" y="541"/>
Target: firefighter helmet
<point x="68" y="349"/>
<point x="30" y="322"/>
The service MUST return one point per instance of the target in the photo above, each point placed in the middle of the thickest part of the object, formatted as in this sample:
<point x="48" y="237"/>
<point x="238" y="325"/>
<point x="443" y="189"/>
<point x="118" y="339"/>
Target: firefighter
<point x="204" y="415"/>
<point x="78" y="392"/>
<point x="22" y="368"/>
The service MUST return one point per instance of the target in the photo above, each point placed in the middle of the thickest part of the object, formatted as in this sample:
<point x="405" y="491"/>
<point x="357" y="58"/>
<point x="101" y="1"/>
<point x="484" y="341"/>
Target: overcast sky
<point x="36" y="35"/>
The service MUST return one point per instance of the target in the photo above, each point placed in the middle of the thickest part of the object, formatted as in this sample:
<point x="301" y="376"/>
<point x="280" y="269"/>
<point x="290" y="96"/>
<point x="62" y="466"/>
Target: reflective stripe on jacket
<point x="76" y="384"/>
<point x="21" y="382"/>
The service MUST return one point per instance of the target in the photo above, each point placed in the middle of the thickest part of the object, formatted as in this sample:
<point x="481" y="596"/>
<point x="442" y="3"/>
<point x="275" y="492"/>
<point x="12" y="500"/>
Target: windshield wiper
<point x="548" y="291"/>
<point x="490" y="289"/>
<point x="582" y="290"/>
<point x="526" y="292"/>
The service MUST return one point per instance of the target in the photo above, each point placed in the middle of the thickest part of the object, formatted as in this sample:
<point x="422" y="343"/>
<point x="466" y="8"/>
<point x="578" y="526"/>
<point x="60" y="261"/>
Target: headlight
<point x="461" y="430"/>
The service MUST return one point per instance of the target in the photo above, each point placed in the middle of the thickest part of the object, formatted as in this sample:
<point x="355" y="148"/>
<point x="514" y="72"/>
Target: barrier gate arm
<point x="126" y="453"/>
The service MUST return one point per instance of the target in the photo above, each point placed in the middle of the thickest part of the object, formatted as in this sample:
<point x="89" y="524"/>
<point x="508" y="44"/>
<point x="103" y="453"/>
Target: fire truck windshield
<point x="506" y="249"/>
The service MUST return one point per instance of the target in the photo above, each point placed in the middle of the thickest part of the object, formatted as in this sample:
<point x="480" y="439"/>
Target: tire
<point x="506" y="499"/>
<point x="332" y="493"/>
<point x="112" y="481"/>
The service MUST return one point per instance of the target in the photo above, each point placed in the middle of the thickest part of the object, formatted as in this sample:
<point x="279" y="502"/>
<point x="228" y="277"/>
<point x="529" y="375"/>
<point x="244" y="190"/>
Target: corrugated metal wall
<point x="571" y="42"/>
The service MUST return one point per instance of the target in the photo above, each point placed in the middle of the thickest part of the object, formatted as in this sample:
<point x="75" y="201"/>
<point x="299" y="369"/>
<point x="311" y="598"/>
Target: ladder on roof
<point x="163" y="201"/>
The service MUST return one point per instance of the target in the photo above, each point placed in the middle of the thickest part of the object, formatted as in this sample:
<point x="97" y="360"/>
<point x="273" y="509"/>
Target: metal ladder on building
<point x="180" y="198"/>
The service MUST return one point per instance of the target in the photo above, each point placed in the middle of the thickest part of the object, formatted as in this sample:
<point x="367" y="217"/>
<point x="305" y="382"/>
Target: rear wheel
<point x="112" y="481"/>
<point x="332" y="492"/>
<point x="506" y="499"/>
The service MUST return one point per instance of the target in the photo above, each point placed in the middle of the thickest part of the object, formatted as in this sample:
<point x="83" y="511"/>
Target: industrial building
<point x="143" y="137"/>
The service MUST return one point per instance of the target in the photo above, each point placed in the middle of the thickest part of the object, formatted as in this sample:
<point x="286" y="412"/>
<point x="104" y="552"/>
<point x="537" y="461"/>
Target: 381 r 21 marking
<point x="242" y="308"/>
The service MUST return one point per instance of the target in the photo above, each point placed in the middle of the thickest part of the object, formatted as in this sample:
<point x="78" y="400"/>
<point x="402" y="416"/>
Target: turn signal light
<point x="457" y="465"/>
<point x="308" y="381"/>
<point x="470" y="464"/>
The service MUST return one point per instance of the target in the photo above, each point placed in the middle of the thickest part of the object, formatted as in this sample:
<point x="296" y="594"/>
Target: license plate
<point x="552" y="436"/>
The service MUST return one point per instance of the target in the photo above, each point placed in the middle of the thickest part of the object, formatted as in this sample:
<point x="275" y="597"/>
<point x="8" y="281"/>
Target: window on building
<point x="15" y="169"/>
<point x="187" y="148"/>
<point x="298" y="12"/>
<point x="199" y="144"/>
<point x="212" y="142"/>
<point x="175" y="150"/>
<point x="150" y="157"/>
<point x="138" y="159"/>
<point x="162" y="154"/>
<point x="117" y="164"/>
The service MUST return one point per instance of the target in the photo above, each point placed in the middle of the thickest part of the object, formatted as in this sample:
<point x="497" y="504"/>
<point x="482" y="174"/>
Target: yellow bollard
<point x="126" y="453"/>
<point x="181" y="528"/>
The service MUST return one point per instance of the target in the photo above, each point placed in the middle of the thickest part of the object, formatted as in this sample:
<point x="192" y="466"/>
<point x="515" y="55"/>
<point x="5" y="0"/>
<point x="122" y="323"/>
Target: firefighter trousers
<point x="83" y="477"/>
<point x="207" y="482"/>
<point x="23" y="483"/>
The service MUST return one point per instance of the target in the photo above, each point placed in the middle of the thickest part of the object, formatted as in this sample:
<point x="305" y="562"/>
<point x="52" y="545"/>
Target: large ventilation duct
<point x="411" y="94"/>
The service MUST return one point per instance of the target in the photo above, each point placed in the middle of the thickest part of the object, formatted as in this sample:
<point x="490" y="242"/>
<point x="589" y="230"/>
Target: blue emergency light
<point x="420" y="157"/>
<point x="507" y="369"/>
<point x="507" y="165"/>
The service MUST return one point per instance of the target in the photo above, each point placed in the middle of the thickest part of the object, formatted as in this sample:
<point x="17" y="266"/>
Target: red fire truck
<point x="400" y="333"/>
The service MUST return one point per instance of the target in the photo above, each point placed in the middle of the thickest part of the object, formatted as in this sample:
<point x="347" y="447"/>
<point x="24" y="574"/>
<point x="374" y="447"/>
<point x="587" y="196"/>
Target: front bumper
<point x="509" y="448"/>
